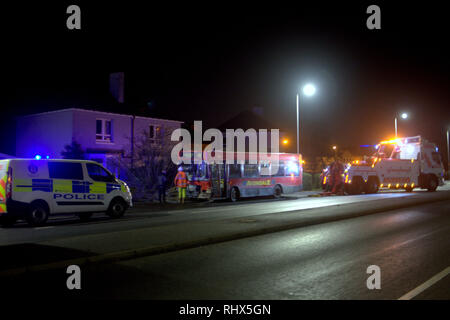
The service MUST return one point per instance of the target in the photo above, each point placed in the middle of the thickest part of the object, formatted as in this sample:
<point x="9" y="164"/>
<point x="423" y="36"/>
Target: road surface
<point x="70" y="226"/>
<point x="326" y="261"/>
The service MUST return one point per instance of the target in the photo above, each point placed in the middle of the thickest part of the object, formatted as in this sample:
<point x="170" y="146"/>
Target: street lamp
<point x="335" y="152"/>
<point x="403" y="116"/>
<point x="308" y="90"/>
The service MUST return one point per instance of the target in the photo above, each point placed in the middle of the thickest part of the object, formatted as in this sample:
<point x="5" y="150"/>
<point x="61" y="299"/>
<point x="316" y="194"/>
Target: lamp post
<point x="404" y="116"/>
<point x="448" y="152"/>
<point x="308" y="90"/>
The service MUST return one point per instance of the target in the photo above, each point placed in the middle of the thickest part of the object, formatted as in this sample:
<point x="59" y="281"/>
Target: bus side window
<point x="280" y="172"/>
<point x="235" y="170"/>
<point x="264" y="168"/>
<point x="251" y="171"/>
<point x="292" y="168"/>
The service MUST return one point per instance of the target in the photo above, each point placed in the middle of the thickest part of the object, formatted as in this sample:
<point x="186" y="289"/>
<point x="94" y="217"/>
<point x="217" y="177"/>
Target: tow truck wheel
<point x="371" y="186"/>
<point x="432" y="183"/>
<point x="277" y="191"/>
<point x="234" y="194"/>
<point x="357" y="186"/>
<point x="38" y="214"/>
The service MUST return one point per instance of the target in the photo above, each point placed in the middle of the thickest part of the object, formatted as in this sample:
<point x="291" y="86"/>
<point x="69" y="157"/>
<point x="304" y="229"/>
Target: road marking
<point x="41" y="228"/>
<point x="425" y="285"/>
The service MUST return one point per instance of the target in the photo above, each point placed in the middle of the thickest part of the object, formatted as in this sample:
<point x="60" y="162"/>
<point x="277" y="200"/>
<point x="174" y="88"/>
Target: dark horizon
<point x="203" y="63"/>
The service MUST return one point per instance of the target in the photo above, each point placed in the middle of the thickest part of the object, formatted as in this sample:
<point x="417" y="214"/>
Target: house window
<point x="103" y="130"/>
<point x="155" y="133"/>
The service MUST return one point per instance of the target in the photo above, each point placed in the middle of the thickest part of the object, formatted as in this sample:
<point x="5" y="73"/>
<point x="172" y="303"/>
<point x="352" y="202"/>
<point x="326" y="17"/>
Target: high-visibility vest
<point x="181" y="180"/>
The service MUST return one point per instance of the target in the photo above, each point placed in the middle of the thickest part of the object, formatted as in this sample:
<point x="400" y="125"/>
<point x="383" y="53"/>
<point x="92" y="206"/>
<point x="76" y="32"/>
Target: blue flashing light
<point x="38" y="157"/>
<point x="368" y="146"/>
<point x="47" y="157"/>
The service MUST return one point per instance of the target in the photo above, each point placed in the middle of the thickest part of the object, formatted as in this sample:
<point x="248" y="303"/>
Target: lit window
<point x="103" y="130"/>
<point x="155" y="133"/>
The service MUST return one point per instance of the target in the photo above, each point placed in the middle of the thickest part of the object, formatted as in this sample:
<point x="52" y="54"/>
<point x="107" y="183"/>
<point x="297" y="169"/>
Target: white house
<point x="102" y="135"/>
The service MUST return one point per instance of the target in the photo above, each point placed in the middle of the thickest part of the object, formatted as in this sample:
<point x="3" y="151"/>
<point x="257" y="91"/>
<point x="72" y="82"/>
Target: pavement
<point x="102" y="241"/>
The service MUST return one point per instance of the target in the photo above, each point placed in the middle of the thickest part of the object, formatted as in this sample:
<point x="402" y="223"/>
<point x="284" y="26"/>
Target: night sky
<point x="209" y="61"/>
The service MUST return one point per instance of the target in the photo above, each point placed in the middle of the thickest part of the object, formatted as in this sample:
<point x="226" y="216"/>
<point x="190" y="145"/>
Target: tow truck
<point x="401" y="163"/>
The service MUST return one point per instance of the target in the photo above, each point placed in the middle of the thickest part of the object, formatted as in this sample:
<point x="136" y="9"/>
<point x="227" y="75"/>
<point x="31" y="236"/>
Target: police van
<point x="33" y="189"/>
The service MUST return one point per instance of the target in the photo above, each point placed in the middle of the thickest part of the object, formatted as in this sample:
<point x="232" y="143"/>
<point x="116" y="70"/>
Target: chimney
<point x="116" y="86"/>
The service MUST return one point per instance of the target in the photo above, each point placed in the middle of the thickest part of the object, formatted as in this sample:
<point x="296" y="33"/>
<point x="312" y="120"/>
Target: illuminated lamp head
<point x="309" y="90"/>
<point x="38" y="157"/>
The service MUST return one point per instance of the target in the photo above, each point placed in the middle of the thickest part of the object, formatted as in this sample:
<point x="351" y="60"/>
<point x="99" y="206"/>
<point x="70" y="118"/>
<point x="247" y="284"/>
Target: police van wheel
<point x="37" y="215"/>
<point x="116" y="208"/>
<point x="85" y="216"/>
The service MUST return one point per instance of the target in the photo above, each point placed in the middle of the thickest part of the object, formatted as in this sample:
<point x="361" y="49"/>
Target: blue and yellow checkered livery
<point x="64" y="186"/>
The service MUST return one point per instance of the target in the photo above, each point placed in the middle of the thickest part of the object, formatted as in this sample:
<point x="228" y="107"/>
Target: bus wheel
<point x="234" y="194"/>
<point x="85" y="216"/>
<point x="38" y="214"/>
<point x="277" y="191"/>
<point x="116" y="208"/>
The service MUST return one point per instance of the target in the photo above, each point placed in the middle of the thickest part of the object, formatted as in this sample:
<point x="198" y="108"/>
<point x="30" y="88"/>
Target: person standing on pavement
<point x="162" y="181"/>
<point x="337" y="174"/>
<point x="181" y="184"/>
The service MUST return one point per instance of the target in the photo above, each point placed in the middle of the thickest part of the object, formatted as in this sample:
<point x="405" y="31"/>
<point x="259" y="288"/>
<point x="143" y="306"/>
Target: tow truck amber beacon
<point x="402" y="163"/>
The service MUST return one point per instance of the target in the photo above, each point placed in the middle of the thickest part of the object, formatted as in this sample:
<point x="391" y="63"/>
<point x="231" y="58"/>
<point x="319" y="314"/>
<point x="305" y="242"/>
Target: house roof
<point x="99" y="111"/>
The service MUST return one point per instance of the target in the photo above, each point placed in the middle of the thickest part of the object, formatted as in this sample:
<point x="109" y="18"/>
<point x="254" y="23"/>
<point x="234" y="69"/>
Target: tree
<point x="150" y="156"/>
<point x="73" y="151"/>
